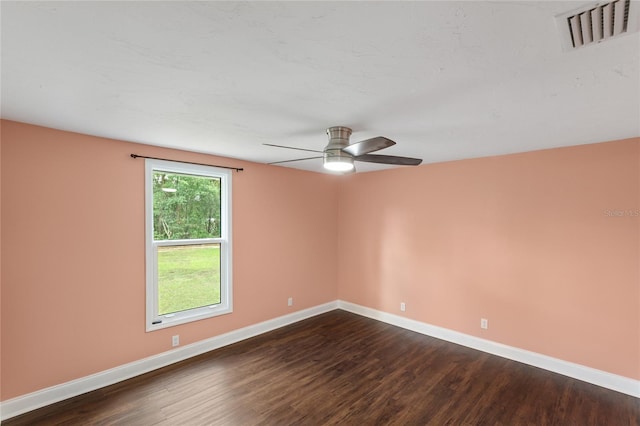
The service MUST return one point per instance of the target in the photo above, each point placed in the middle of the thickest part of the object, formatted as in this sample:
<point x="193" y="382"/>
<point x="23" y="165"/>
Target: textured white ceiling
<point x="445" y="80"/>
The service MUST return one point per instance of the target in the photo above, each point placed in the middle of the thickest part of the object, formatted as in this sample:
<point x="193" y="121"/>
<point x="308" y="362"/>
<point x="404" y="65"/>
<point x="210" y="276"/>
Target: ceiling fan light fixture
<point x="337" y="161"/>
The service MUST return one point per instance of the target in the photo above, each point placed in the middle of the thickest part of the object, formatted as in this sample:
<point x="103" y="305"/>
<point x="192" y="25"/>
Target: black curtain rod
<point x="237" y="169"/>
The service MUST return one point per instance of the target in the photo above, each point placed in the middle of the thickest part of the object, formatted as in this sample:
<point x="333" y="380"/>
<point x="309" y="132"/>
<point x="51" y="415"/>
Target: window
<point x="188" y="233"/>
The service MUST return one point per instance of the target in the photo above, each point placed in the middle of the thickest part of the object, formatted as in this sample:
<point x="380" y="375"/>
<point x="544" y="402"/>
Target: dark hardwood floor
<point x="340" y="368"/>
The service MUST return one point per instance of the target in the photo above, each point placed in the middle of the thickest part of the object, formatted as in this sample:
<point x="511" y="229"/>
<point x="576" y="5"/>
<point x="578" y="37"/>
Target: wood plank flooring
<point x="343" y="369"/>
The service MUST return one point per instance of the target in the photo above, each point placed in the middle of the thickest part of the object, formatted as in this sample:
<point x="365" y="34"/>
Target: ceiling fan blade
<point x="388" y="159"/>
<point x="368" y="145"/>
<point x="297" y="159"/>
<point x="291" y="147"/>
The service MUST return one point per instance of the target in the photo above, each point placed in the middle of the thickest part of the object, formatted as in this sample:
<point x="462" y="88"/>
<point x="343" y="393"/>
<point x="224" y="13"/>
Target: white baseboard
<point x="22" y="404"/>
<point x="25" y="403"/>
<point x="586" y="374"/>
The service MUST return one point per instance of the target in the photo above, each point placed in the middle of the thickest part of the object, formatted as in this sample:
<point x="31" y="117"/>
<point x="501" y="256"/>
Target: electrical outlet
<point x="403" y="307"/>
<point x="290" y="301"/>
<point x="484" y="323"/>
<point x="175" y="340"/>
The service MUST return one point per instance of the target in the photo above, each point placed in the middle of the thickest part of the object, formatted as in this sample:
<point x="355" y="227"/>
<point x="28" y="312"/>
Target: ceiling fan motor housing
<point x="338" y="139"/>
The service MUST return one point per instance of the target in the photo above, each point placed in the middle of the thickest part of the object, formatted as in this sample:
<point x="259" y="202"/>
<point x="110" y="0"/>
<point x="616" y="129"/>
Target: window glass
<point x="188" y="277"/>
<point x="185" y="207"/>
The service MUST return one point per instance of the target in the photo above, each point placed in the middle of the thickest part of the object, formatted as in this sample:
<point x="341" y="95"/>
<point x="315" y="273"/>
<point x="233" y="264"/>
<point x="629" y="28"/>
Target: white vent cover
<point x="597" y="22"/>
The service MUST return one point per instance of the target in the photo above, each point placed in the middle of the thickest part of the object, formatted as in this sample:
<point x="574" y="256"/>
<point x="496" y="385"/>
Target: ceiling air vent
<point x="597" y="22"/>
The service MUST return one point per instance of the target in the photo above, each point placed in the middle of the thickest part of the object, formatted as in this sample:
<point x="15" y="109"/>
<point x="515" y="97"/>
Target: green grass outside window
<point x="188" y="277"/>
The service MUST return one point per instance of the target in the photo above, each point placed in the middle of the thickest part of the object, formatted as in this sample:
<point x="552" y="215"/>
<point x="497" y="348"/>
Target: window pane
<point x="185" y="206"/>
<point x="188" y="277"/>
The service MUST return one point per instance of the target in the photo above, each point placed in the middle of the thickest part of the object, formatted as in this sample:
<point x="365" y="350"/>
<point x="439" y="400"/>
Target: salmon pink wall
<point x="0" y="259"/>
<point x="534" y="242"/>
<point x="73" y="289"/>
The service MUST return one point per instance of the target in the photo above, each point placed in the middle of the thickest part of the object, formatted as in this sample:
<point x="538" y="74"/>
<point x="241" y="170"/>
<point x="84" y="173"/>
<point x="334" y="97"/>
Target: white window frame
<point x="154" y="321"/>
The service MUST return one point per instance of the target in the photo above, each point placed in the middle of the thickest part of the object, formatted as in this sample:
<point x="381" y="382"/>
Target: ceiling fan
<point x="339" y="154"/>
